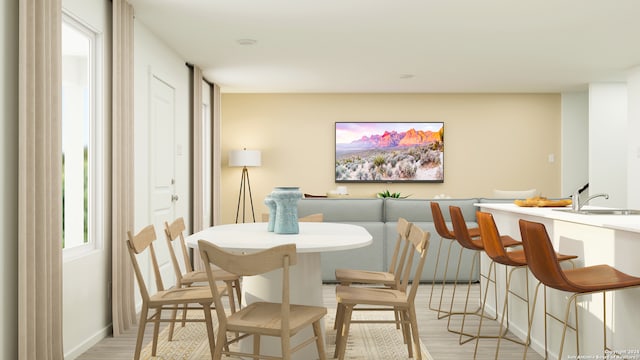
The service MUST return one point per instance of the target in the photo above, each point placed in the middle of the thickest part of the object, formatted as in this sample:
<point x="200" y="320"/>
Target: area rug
<point x="366" y="341"/>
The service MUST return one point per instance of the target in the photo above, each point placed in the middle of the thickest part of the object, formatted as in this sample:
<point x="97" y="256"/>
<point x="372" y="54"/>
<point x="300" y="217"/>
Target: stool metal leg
<point x="505" y="311"/>
<point x="444" y="279"/>
<point x="466" y="312"/>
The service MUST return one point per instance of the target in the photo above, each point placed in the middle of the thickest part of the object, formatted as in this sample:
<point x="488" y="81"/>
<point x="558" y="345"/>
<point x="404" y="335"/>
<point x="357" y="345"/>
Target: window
<point x="81" y="150"/>
<point x="207" y="156"/>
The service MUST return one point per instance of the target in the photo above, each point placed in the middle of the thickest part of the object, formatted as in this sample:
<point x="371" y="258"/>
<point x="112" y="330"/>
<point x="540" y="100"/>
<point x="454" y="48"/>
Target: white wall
<point x="575" y="141"/>
<point x="86" y="279"/>
<point x="154" y="57"/>
<point x="607" y="143"/>
<point x="9" y="179"/>
<point x="633" y="138"/>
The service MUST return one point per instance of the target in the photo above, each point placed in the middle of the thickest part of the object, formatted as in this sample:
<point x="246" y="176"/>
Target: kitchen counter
<point x="596" y="239"/>
<point x="615" y="222"/>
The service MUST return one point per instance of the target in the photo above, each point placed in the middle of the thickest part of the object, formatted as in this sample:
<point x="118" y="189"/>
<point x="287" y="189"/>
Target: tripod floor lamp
<point x="245" y="158"/>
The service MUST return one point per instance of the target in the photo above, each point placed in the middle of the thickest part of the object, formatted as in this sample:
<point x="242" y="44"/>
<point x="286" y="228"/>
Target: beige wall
<point x="492" y="141"/>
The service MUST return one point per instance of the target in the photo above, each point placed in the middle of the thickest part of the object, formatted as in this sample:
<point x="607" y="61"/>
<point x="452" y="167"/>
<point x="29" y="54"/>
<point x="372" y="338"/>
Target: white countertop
<point x="313" y="237"/>
<point x="617" y="222"/>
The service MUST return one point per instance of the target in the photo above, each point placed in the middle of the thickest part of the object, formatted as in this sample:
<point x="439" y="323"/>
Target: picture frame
<point x="389" y="152"/>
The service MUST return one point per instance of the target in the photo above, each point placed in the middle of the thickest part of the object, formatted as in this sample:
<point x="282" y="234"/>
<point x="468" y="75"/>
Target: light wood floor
<point x="441" y="344"/>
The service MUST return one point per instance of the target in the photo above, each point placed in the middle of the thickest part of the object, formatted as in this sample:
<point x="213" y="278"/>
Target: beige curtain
<point x="40" y="181"/>
<point x="197" y="203"/>
<point x="122" y="174"/>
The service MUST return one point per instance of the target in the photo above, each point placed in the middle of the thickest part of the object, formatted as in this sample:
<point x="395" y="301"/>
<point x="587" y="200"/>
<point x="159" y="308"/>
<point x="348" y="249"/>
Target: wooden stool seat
<point x="598" y="278"/>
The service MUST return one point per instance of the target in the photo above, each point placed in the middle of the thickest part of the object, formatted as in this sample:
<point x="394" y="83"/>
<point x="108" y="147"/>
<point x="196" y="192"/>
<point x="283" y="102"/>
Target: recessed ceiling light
<point x="406" y="76"/>
<point x="246" y="41"/>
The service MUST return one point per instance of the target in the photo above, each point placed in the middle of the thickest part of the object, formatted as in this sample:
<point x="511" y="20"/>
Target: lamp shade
<point x="245" y="158"/>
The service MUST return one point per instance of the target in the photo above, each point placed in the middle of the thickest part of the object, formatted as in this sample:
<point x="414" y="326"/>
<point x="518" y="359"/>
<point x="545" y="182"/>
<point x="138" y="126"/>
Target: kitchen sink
<point x="602" y="211"/>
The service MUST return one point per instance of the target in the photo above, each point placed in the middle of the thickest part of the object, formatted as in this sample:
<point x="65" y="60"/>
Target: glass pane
<point x="207" y="157"/>
<point x="76" y="119"/>
<point x="206" y="165"/>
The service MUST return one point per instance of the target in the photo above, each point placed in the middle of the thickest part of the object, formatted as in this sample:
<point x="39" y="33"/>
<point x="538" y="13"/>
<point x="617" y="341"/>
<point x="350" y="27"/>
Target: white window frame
<point x="207" y="177"/>
<point x="95" y="187"/>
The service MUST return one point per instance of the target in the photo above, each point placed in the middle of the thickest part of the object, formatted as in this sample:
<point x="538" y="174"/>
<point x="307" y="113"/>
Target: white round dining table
<point x="305" y="278"/>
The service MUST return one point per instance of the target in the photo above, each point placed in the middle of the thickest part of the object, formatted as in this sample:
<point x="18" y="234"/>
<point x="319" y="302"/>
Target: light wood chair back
<point x="251" y="320"/>
<point x="175" y="232"/>
<point x="419" y="240"/>
<point x="138" y="244"/>
<point x="399" y="257"/>
<point x="250" y="264"/>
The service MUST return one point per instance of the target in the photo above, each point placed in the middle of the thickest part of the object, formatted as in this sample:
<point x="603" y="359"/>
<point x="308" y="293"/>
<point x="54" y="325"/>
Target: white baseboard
<point x="88" y="343"/>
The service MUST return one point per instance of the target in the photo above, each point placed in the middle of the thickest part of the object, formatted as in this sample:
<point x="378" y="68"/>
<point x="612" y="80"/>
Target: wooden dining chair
<point x="260" y="318"/>
<point x="543" y="263"/>
<point x="391" y="277"/>
<point x="319" y="217"/>
<point x="443" y="230"/>
<point x="186" y="276"/>
<point x="401" y="300"/>
<point x="164" y="299"/>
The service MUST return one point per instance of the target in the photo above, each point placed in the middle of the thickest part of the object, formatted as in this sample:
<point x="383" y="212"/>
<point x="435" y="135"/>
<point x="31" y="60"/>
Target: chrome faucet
<point x="576" y="204"/>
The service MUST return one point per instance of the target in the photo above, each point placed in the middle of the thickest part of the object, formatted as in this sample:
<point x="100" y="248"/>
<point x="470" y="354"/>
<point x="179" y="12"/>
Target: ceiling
<point x="407" y="46"/>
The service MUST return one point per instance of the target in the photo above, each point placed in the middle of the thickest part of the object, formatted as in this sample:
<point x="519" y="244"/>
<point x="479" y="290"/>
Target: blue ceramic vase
<point x="286" y="219"/>
<point x="271" y="204"/>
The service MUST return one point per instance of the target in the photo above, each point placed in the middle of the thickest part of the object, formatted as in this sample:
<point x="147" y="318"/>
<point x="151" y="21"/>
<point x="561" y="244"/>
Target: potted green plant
<point x="395" y="195"/>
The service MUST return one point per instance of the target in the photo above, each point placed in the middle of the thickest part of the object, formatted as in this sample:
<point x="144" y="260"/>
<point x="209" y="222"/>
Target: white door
<point x="162" y="168"/>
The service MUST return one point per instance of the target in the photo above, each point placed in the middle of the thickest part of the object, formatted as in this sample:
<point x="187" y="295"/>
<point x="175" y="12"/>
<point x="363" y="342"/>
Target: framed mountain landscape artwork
<point x="389" y="152"/>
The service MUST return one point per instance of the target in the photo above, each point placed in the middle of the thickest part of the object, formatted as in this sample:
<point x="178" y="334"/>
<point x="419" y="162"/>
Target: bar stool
<point x="463" y="237"/>
<point x="515" y="260"/>
<point x="443" y="230"/>
<point x="543" y="263"/>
